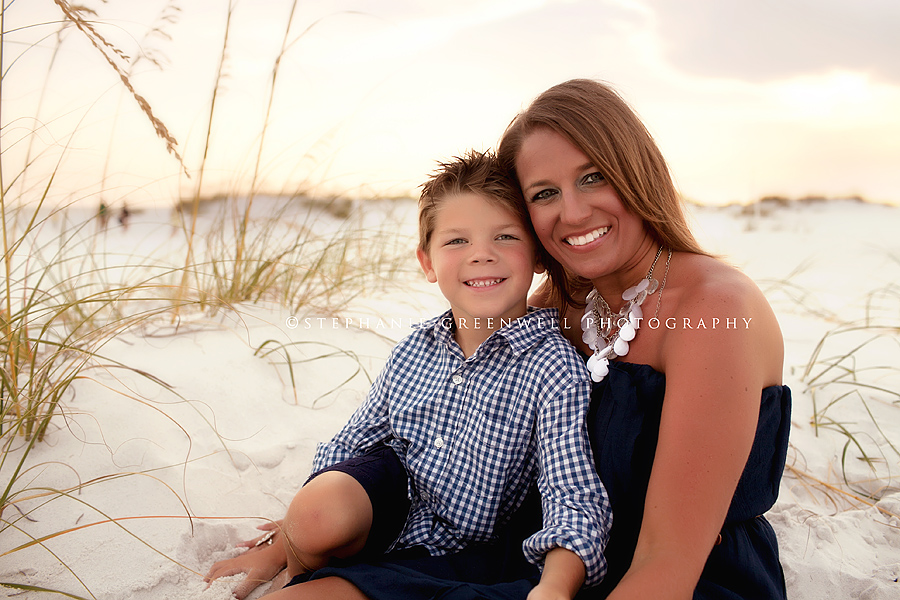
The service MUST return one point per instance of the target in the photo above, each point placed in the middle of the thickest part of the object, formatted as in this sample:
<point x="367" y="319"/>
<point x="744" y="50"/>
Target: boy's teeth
<point x="483" y="282"/>
<point x="581" y="240"/>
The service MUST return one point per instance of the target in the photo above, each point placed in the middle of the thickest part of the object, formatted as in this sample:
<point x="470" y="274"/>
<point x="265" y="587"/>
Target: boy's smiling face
<point x="482" y="257"/>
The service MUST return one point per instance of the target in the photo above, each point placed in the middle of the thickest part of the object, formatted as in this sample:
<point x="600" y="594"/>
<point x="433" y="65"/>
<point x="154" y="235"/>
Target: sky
<point x="746" y="99"/>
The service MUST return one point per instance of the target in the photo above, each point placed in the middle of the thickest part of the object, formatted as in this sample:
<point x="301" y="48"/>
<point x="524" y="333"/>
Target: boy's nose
<point x="482" y="254"/>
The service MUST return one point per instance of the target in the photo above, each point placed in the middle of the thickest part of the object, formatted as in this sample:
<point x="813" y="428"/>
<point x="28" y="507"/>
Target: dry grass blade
<point x="195" y="204"/>
<point x="34" y="588"/>
<point x="108" y="51"/>
<point x="853" y="379"/>
<point x="237" y="279"/>
<point x="269" y="347"/>
<point x="828" y="488"/>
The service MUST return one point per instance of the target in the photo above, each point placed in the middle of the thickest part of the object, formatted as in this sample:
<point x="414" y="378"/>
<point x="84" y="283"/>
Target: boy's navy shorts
<point x="386" y="482"/>
<point x="411" y="573"/>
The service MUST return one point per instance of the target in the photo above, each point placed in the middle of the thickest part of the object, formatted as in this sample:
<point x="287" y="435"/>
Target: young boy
<point x="471" y="410"/>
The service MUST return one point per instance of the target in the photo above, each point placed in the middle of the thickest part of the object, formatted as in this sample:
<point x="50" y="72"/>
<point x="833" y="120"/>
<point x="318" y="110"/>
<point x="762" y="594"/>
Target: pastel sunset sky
<point x="789" y="97"/>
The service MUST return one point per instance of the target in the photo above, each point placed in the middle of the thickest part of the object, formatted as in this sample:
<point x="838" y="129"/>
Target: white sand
<point x="228" y="445"/>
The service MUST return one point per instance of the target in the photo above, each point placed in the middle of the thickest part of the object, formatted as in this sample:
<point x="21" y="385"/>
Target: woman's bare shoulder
<point x="705" y="281"/>
<point x="718" y="305"/>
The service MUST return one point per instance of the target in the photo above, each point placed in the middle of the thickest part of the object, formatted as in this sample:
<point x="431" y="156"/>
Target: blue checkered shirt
<point x="475" y="433"/>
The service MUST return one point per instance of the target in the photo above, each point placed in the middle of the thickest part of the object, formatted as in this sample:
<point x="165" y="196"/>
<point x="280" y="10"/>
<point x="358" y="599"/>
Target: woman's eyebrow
<point x="586" y="166"/>
<point x="537" y="184"/>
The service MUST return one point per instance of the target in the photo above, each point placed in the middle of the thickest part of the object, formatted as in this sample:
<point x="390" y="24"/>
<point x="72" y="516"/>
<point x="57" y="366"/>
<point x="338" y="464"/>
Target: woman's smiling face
<point x="576" y="213"/>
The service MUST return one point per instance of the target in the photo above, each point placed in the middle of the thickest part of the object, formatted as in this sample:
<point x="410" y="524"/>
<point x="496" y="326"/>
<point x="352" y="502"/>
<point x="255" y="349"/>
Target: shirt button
<point x="457" y="379"/>
<point x="439" y="442"/>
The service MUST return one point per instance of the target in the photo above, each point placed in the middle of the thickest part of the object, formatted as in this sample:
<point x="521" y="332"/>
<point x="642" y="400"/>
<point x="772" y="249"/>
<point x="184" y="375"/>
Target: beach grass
<point x="64" y="304"/>
<point x="852" y="378"/>
<point x="64" y="298"/>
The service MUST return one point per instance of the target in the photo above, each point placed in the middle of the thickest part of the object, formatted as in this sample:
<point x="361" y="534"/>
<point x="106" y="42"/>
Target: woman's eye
<point x="592" y="178"/>
<point x="544" y="195"/>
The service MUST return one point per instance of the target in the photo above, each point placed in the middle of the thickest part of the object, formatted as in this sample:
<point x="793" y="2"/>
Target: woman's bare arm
<point x="714" y="379"/>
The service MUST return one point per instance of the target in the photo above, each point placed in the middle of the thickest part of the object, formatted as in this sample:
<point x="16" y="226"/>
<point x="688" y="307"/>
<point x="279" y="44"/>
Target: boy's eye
<point x="507" y="236"/>
<point x="455" y="241"/>
<point x="544" y="195"/>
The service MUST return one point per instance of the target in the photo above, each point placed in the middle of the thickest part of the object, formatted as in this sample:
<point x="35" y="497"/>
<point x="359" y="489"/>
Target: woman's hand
<point x="263" y="560"/>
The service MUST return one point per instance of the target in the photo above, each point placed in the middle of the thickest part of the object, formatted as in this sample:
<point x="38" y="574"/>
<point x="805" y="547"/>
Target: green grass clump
<point x="853" y="378"/>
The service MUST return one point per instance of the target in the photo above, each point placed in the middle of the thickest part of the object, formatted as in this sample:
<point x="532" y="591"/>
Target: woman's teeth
<point x="581" y="240"/>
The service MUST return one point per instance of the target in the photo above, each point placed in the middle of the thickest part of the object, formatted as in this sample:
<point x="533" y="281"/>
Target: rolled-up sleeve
<point x="577" y="513"/>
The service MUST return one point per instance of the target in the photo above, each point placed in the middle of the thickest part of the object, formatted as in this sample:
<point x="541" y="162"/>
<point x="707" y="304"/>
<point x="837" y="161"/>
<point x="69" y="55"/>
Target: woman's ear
<point x="538" y="262"/>
<point x="427" y="267"/>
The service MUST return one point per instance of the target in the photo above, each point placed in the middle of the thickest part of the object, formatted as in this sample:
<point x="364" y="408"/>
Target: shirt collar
<point x="521" y="334"/>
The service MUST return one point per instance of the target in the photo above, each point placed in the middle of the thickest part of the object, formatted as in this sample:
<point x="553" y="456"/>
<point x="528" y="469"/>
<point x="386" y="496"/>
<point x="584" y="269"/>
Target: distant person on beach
<point x="124" y="216"/>
<point x="103" y="214"/>
<point x="474" y="412"/>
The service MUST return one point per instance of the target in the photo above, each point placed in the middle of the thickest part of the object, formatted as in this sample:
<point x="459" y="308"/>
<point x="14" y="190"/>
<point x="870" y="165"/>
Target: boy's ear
<point x="427" y="267"/>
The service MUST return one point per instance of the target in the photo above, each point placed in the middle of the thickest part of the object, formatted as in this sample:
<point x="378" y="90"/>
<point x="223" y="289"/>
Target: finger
<point x="258" y="539"/>
<point x="243" y="589"/>
<point x="216" y="568"/>
<point x="261" y="541"/>
<point x="251" y="543"/>
<point x="224" y="571"/>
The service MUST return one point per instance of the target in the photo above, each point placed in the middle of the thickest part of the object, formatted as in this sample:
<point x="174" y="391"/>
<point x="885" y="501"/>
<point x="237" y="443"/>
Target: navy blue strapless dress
<point x="624" y="428"/>
<point x="623" y="425"/>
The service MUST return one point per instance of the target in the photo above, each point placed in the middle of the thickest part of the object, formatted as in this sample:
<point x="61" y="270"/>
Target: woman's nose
<point x="574" y="208"/>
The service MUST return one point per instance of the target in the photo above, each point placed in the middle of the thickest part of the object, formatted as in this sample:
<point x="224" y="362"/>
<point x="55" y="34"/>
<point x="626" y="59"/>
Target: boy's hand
<point x="262" y="562"/>
<point x="562" y="576"/>
<point x="546" y="591"/>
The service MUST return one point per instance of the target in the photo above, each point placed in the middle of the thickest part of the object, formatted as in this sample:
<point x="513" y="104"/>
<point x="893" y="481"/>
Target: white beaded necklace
<point x="608" y="334"/>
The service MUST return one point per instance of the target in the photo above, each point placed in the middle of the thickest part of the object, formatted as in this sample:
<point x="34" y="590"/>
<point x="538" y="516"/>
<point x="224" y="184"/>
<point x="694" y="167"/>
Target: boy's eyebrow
<point x="512" y="224"/>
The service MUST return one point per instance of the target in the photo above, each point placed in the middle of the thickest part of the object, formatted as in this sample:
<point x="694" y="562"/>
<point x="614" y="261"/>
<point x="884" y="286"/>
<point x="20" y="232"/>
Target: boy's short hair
<point x="474" y="172"/>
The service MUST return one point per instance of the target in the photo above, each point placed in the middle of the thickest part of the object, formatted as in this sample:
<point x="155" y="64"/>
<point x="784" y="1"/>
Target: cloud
<point x="777" y="39"/>
<point x="392" y="35"/>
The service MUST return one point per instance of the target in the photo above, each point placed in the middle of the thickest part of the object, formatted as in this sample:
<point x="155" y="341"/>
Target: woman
<point x="689" y="419"/>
